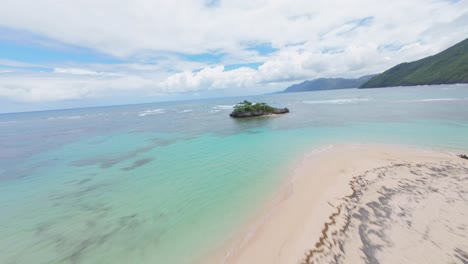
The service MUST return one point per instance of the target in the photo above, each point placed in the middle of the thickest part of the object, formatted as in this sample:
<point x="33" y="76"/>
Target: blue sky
<point x="87" y="53"/>
<point x="31" y="48"/>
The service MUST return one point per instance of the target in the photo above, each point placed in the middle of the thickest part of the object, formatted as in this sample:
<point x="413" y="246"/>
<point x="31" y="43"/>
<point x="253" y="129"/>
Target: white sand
<point x="362" y="204"/>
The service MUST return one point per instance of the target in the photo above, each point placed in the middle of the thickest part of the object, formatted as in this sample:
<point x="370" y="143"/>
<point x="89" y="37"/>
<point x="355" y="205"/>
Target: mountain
<point x="327" y="84"/>
<point x="447" y="67"/>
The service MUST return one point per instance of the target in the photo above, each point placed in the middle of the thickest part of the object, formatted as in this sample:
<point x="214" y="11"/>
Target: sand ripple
<point x="401" y="213"/>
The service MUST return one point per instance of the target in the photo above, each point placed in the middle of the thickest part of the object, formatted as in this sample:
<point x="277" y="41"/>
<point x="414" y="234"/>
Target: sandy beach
<point x="362" y="204"/>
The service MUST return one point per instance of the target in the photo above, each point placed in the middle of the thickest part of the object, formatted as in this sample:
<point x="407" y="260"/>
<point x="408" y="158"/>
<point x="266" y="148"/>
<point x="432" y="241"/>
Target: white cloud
<point x="211" y="78"/>
<point x="37" y="87"/>
<point x="312" y="39"/>
<point x="66" y="84"/>
<point x="75" y="71"/>
<point x="125" y="28"/>
<point x="12" y="63"/>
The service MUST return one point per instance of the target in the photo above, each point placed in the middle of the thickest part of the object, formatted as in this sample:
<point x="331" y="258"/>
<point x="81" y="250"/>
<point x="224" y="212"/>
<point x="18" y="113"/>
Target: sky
<point x="66" y="54"/>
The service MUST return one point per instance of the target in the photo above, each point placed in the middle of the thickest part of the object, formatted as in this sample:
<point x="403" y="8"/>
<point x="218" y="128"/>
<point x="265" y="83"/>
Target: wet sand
<point x="362" y="204"/>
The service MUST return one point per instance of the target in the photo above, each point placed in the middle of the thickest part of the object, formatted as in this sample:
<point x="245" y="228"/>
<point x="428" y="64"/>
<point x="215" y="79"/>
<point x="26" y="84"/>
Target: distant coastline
<point x="322" y="84"/>
<point x="446" y="67"/>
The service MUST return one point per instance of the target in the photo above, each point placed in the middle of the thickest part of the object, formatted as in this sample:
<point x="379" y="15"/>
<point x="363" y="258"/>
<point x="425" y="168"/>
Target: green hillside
<point x="447" y="67"/>
<point x="327" y="84"/>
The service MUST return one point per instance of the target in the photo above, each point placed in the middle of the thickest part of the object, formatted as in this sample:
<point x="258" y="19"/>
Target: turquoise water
<point x="169" y="182"/>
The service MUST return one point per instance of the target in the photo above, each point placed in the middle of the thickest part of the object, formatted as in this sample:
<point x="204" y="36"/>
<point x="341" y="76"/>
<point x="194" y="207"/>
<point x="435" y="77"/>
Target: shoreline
<point x="298" y="221"/>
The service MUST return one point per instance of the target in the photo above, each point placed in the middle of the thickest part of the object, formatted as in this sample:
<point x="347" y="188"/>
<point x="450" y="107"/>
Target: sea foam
<point x="432" y="100"/>
<point x="338" y="101"/>
<point x="151" y="112"/>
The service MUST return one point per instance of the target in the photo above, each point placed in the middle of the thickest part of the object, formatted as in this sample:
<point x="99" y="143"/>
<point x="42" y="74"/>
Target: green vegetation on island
<point x="248" y="109"/>
<point x="447" y="67"/>
<point x="247" y="106"/>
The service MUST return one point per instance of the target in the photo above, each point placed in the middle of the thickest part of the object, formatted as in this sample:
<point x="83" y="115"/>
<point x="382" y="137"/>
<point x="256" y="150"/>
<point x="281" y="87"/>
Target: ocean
<point x="171" y="182"/>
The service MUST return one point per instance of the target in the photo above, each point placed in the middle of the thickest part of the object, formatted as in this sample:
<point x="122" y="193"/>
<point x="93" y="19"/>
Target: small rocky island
<point x="247" y="109"/>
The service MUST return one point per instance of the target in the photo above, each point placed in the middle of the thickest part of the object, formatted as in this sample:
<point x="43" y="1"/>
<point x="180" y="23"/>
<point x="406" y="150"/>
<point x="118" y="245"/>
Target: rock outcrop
<point x="275" y="111"/>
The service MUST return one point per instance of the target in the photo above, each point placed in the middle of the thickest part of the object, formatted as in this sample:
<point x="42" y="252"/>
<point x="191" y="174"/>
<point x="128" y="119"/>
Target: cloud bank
<point x="169" y="47"/>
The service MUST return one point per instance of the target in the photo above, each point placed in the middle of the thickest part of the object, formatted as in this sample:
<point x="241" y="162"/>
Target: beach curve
<point x="362" y="203"/>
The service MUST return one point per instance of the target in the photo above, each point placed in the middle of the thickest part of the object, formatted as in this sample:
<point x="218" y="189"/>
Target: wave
<point x="219" y="108"/>
<point x="338" y="101"/>
<point x="76" y="116"/>
<point x="185" y="111"/>
<point x="151" y="112"/>
<point x="65" y="117"/>
<point x="432" y="100"/>
<point x="223" y="107"/>
<point x="8" y="122"/>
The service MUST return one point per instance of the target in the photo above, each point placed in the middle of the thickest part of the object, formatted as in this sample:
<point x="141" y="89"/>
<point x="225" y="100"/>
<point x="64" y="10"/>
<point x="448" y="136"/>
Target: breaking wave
<point x="338" y="101"/>
<point x="65" y="117"/>
<point x="151" y="112"/>
<point x="218" y="108"/>
<point x="223" y="107"/>
<point x="432" y="100"/>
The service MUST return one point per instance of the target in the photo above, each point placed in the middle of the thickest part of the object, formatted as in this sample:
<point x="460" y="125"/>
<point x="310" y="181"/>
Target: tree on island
<point x="247" y="106"/>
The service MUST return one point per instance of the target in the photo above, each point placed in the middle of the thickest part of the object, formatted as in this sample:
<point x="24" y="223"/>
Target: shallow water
<point x="168" y="182"/>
